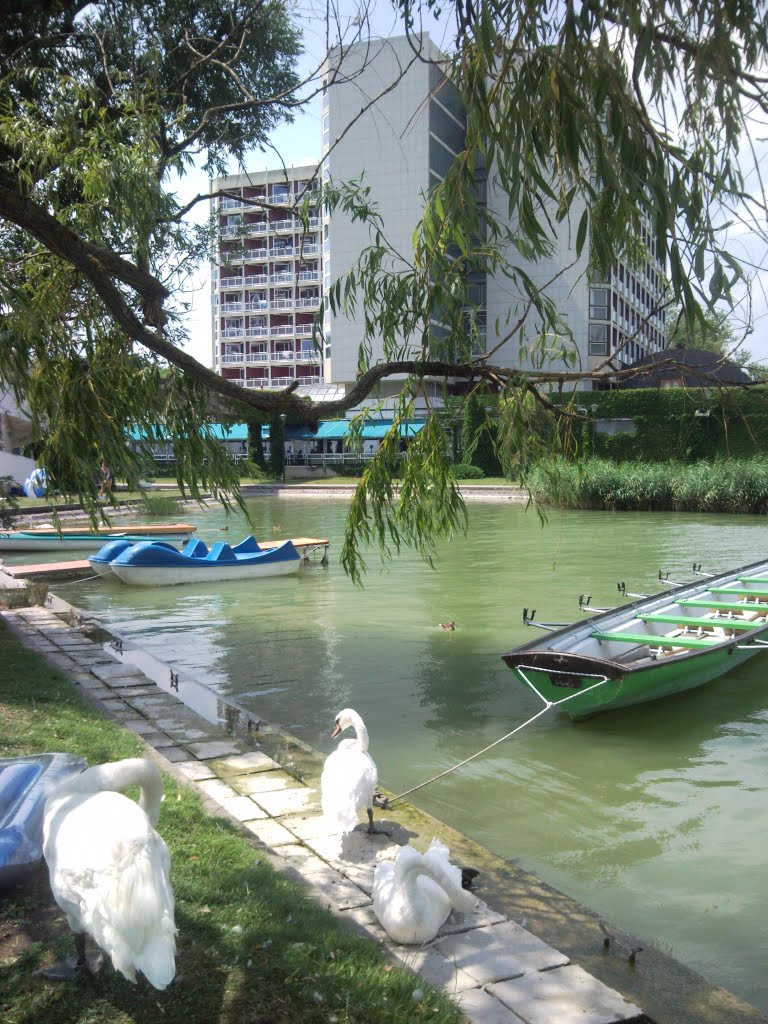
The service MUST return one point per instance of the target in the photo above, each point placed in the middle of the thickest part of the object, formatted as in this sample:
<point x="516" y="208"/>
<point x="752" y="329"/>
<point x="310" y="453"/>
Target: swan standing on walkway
<point x="349" y="775"/>
<point x="413" y="897"/>
<point x="109" y="870"/>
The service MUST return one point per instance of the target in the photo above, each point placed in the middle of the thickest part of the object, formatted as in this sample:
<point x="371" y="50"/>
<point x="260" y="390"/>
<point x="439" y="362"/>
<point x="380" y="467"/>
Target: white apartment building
<point x="392" y="122"/>
<point x="266" y="280"/>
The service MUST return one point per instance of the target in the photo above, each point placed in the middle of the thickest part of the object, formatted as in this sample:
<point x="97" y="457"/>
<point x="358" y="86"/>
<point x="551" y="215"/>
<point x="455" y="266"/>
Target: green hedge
<point x="668" y="428"/>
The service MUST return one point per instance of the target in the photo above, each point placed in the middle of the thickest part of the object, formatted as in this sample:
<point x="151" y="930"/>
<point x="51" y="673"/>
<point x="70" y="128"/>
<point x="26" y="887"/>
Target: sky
<point x="300" y="143"/>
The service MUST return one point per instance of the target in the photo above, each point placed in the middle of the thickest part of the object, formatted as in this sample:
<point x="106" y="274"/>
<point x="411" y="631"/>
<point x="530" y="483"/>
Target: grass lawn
<point x="251" y="948"/>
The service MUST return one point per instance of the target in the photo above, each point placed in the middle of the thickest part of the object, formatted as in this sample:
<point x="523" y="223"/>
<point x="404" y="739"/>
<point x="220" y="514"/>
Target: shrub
<point x="464" y="472"/>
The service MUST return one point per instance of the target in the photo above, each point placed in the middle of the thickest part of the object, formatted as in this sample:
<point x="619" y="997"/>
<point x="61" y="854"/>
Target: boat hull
<point x="147" y="576"/>
<point x="160" y="565"/>
<point x="49" y="540"/>
<point x="584" y="685"/>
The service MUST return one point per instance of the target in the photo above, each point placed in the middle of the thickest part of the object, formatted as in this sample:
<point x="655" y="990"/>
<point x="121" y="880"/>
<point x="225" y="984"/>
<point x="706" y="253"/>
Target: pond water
<point x="654" y="816"/>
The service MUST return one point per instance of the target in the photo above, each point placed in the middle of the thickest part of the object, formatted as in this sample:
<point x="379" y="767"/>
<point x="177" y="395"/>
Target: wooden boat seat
<point x="657" y="641"/>
<point x="739" y="590"/>
<point x="685" y="621"/>
<point x="725" y="606"/>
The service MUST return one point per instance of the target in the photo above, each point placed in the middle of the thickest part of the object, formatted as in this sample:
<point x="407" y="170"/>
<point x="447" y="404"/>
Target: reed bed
<point x="724" y="485"/>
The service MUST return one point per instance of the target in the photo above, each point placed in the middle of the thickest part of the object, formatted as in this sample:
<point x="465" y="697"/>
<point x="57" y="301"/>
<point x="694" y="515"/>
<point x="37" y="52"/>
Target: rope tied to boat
<point x="387" y="802"/>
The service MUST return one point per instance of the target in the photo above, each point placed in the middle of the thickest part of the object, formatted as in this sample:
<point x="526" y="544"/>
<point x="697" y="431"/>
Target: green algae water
<point x="654" y="816"/>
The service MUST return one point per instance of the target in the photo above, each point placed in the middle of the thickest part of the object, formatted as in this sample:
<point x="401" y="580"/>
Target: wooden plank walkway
<point x="81" y="567"/>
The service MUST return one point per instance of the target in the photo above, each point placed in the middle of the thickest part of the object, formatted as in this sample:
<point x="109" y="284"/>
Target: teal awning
<point x="327" y="430"/>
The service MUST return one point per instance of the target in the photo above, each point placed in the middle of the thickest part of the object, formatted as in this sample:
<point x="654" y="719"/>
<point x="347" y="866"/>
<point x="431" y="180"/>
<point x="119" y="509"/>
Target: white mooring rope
<point x="387" y="803"/>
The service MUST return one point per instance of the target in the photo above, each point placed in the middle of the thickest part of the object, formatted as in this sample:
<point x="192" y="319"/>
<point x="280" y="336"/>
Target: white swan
<point x="349" y="776"/>
<point x="109" y="870"/>
<point x="413" y="897"/>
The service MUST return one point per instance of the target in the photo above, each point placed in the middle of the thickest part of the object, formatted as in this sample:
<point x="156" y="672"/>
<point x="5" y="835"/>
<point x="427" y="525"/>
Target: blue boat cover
<point x="157" y="555"/>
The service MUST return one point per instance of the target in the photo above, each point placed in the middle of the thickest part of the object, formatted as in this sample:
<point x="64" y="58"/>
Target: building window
<point x="598" y="339"/>
<point x="598" y="303"/>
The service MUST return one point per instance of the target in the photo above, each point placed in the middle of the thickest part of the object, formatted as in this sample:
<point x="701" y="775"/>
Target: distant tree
<point x="478" y="437"/>
<point x="256" y="445"/>
<point x="707" y="330"/>
<point x="276" y="463"/>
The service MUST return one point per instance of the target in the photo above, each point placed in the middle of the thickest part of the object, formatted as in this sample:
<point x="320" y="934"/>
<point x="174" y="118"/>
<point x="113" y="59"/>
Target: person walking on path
<point x="106" y="480"/>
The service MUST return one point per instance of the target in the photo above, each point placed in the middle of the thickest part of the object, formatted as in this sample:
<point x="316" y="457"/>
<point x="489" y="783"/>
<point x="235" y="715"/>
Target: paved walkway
<point x="498" y="972"/>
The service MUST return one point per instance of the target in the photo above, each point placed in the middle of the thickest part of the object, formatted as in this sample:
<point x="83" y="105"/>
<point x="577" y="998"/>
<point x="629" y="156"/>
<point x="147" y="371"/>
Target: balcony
<point x="281" y="382"/>
<point x="308" y="355"/>
<point x="310" y="249"/>
<point x="308" y="302"/>
<point x="232" y="332"/>
<point x="232" y="357"/>
<point x="283" y="357"/>
<point x="231" y="230"/>
<point x="251" y="280"/>
<point x="257" y="255"/>
<point x="316" y="379"/>
<point x="255" y="227"/>
<point x="285" y="277"/>
<point x="304" y="330"/>
<point x="231" y="307"/>
<point x="282" y="331"/>
<point x="281" y="304"/>
<point x="281" y="252"/>
<point x="283" y="225"/>
<point x="230" y="282"/>
<point x="255" y="382"/>
<point x="309" y="275"/>
<point x="255" y="305"/>
<point x="257" y="332"/>
<point x="230" y="204"/>
<point x="257" y="357"/>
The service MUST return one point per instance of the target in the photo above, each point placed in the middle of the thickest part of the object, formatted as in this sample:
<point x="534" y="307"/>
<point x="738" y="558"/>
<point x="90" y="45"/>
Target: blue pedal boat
<point x="25" y="784"/>
<point x="159" y="565"/>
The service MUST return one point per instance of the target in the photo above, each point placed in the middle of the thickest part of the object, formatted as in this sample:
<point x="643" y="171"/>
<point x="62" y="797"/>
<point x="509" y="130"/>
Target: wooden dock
<point x="82" y="567"/>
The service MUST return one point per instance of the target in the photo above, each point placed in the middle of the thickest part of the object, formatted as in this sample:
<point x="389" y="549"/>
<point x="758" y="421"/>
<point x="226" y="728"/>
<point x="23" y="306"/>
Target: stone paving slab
<point x="252" y="761"/>
<point x="434" y="968"/>
<point x="567" y="995"/>
<point x="483" y="1008"/>
<point x="112" y="673"/>
<point x="264" y="782"/>
<point x="196" y="771"/>
<point x="499" y="952"/>
<point x="214" y="749"/>
<point x="242" y="808"/>
<point x="217" y="790"/>
<point x="287" y="801"/>
<point x="270" y="832"/>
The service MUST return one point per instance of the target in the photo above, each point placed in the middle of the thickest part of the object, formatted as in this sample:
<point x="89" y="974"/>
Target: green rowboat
<point x="655" y="647"/>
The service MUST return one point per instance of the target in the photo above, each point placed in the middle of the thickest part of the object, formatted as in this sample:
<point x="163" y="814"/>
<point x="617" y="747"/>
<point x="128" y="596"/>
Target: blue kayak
<point x="25" y="784"/>
<point x="154" y="564"/>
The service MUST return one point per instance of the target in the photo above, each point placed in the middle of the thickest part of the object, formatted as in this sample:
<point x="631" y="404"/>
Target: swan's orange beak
<point x="336" y="731"/>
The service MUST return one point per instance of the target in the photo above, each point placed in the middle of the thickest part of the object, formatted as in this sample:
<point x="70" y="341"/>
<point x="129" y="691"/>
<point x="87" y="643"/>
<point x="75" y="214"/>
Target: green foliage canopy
<point x="605" y="118"/>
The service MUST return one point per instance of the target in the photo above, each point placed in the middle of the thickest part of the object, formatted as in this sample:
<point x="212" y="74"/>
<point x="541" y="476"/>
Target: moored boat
<point x="654" y="647"/>
<point x="151" y="564"/>
<point x="73" y="539"/>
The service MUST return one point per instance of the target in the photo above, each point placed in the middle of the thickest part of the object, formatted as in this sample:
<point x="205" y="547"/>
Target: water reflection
<point x="655" y="816"/>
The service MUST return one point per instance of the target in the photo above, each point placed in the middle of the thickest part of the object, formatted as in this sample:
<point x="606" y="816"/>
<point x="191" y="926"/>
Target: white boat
<point x="73" y="539"/>
<point x="160" y="565"/>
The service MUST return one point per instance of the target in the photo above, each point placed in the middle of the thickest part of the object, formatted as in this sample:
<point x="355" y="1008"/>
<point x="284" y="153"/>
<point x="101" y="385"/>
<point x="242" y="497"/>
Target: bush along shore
<point x="723" y="485"/>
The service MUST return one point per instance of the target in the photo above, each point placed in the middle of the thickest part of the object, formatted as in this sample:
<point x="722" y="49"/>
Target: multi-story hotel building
<point x="266" y="280"/>
<point x="392" y="122"/>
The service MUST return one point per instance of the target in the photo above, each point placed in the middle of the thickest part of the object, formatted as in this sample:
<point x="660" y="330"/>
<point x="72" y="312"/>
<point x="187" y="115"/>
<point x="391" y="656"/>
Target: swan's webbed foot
<point x="372" y="830"/>
<point x="83" y="965"/>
